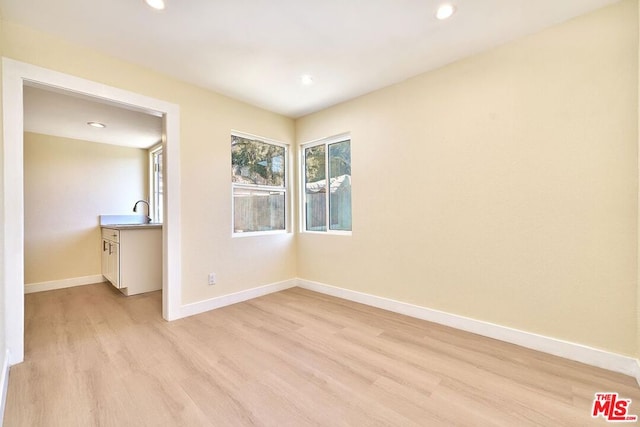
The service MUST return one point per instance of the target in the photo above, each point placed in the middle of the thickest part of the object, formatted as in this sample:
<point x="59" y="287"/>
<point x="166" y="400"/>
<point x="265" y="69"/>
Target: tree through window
<point x="258" y="176"/>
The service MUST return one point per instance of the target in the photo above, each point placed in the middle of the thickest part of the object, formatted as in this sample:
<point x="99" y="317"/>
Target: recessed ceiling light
<point x="445" y="11"/>
<point x="97" y="124"/>
<point x="156" y="4"/>
<point x="306" y="80"/>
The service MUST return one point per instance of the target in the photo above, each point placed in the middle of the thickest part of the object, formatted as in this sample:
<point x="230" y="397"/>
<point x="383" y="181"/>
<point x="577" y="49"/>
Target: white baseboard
<point x="572" y="351"/>
<point x="61" y="284"/>
<point x="222" y="301"/>
<point x="4" y="385"/>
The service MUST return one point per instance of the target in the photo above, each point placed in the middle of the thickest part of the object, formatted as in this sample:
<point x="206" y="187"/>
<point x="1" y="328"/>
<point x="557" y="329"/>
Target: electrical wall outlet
<point x="212" y="278"/>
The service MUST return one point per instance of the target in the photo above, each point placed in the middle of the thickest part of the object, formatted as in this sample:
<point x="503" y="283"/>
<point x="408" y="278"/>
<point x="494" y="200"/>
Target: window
<point x="327" y="209"/>
<point x="259" y="183"/>
<point x="155" y="182"/>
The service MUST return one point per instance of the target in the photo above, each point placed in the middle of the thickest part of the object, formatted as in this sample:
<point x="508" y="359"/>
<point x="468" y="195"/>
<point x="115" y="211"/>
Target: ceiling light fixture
<point x="445" y="11"/>
<point x="156" y="4"/>
<point x="97" y="124"/>
<point x="306" y="80"/>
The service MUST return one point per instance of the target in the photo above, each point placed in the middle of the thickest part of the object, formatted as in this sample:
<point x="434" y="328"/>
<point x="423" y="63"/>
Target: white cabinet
<point x="132" y="258"/>
<point x="111" y="256"/>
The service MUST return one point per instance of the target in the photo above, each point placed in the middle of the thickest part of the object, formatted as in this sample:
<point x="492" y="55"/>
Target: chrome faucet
<point x="135" y="208"/>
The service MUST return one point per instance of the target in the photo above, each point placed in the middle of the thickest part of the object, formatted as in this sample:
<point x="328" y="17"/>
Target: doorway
<point x="15" y="76"/>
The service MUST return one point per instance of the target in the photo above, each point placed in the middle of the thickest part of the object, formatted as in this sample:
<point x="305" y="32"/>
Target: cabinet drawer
<point x="111" y="234"/>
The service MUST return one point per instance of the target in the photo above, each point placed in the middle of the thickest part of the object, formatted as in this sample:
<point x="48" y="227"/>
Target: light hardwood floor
<point x="294" y="358"/>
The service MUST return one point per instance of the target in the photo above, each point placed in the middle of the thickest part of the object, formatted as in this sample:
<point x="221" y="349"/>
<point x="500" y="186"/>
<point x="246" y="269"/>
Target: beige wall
<point x="502" y="187"/>
<point x="206" y="122"/>
<point x="67" y="184"/>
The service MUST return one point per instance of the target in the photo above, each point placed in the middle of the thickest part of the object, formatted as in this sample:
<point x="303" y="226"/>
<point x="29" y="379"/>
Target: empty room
<point x="345" y="213"/>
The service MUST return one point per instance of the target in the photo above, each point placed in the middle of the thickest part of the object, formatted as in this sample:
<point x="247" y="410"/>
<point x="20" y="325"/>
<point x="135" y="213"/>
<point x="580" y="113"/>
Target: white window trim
<point x="302" y="194"/>
<point x="287" y="196"/>
<point x="152" y="202"/>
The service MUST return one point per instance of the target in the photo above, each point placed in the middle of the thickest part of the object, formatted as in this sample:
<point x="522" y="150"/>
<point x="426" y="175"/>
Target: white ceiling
<point x="256" y="50"/>
<point x="53" y="112"/>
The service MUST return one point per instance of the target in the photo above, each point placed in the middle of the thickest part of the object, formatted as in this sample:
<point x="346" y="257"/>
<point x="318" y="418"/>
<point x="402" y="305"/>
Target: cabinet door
<point x="111" y="262"/>
<point x="114" y="264"/>
<point x="104" y="259"/>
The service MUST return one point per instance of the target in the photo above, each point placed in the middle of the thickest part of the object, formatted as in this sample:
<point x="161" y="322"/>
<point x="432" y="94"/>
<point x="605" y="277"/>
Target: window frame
<point x="154" y="206"/>
<point x="302" y="184"/>
<point x="284" y="188"/>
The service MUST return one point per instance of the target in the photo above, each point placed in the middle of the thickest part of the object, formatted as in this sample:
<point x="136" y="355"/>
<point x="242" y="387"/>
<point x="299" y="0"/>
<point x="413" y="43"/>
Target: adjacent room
<point x="414" y="213"/>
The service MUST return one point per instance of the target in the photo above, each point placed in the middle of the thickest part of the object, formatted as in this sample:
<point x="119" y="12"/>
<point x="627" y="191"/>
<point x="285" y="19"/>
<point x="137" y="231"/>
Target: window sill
<point x="327" y="233"/>
<point x="259" y="233"/>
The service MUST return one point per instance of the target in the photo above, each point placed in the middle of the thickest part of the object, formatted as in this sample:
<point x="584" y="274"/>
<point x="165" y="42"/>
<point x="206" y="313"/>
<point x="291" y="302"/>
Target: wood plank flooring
<point x="294" y="358"/>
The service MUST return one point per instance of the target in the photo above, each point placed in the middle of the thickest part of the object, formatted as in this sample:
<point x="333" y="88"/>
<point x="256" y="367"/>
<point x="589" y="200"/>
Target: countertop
<point x="132" y="226"/>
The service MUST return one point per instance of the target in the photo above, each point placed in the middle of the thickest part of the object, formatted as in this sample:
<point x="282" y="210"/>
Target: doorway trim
<point x="14" y="75"/>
